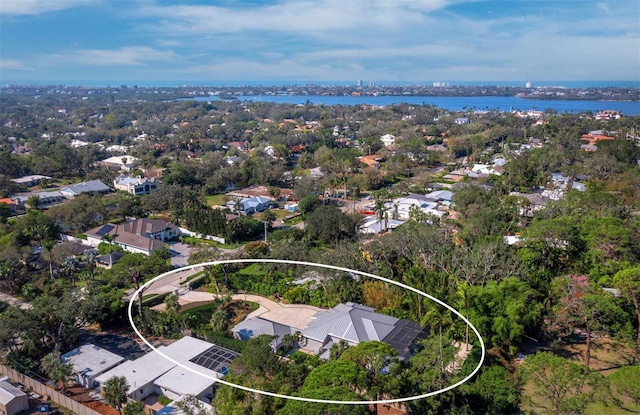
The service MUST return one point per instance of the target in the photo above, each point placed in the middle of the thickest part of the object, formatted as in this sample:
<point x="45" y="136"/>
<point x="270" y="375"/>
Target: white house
<point x="250" y="205"/>
<point x="153" y="373"/>
<point x="124" y="163"/>
<point x="90" y="361"/>
<point x="30" y="180"/>
<point x="375" y="225"/>
<point x="404" y="205"/>
<point x="134" y="185"/>
<point x="291" y="207"/>
<point x="462" y="120"/>
<point x="388" y="140"/>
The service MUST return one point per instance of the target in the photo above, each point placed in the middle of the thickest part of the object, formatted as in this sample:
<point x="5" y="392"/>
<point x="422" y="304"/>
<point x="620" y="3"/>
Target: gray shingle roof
<point x="87" y="187"/>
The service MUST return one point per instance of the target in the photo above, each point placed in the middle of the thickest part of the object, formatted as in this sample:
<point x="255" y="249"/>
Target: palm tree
<point x="439" y="317"/>
<point x="58" y="372"/>
<point x="136" y="278"/>
<point x="48" y="244"/>
<point x="114" y="391"/>
<point x="8" y="272"/>
<point x="109" y="239"/>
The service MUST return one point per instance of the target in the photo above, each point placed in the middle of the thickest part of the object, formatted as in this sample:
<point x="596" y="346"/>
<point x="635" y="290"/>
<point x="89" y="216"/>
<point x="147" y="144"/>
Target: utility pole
<point x="265" y="231"/>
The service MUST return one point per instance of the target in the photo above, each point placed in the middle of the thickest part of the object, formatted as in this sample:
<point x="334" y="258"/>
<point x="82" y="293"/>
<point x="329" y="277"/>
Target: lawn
<point x="294" y="221"/>
<point x="252" y="270"/>
<point x="217" y="200"/>
<point x="279" y="214"/>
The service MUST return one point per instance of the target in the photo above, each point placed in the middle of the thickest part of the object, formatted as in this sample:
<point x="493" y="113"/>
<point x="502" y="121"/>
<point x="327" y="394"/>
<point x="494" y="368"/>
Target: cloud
<point x="299" y="16"/>
<point x="9" y="64"/>
<point x="125" y="56"/>
<point x="33" y="7"/>
<point x="605" y="8"/>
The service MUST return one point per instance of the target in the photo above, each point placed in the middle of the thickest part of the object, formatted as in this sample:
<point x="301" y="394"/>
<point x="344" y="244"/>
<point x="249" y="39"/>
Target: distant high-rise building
<point x="372" y="84"/>
<point x="528" y="85"/>
<point x="359" y="82"/>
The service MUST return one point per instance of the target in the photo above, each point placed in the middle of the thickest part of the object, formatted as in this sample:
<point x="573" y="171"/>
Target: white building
<point x="388" y="140"/>
<point x="134" y="185"/>
<point x="90" y="361"/>
<point x="153" y="373"/>
<point x="124" y="163"/>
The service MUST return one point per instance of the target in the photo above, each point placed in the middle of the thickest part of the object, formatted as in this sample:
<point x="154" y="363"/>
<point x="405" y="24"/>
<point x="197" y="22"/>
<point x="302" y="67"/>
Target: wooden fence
<point x="32" y="385"/>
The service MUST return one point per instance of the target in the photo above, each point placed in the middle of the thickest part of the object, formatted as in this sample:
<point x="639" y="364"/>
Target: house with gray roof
<point x="356" y="323"/>
<point x="257" y="326"/>
<point x="93" y="186"/>
<point x="46" y="199"/>
<point x="140" y="235"/>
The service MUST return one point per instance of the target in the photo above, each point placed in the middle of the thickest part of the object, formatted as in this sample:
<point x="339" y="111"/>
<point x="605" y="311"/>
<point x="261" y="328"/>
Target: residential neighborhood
<point x="525" y="222"/>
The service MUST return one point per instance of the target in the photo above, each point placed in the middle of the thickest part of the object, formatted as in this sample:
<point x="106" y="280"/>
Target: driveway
<point x="179" y="254"/>
<point x="294" y="315"/>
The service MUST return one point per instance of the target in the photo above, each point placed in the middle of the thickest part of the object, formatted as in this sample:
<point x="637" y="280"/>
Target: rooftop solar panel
<point x="216" y="358"/>
<point x="405" y="334"/>
<point x="105" y="230"/>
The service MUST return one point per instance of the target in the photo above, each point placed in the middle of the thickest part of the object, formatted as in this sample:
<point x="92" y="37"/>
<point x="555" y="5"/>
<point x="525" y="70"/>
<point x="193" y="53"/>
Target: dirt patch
<point x="81" y="395"/>
<point x="237" y="310"/>
<point x="606" y="354"/>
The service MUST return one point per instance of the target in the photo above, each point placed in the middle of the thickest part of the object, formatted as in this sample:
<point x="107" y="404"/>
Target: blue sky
<point x="279" y="41"/>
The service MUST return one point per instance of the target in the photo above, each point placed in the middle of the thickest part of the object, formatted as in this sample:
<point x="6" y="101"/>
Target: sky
<point x="202" y="42"/>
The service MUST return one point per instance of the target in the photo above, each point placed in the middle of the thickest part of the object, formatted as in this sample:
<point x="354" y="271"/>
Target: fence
<point x="43" y="390"/>
<point x="199" y="235"/>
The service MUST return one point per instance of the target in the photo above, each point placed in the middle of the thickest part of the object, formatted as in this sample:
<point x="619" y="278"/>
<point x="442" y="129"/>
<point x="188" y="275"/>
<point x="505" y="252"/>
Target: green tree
<point x="114" y="392"/>
<point x="494" y="392"/>
<point x="335" y="380"/>
<point x="582" y="306"/>
<point x="134" y="408"/>
<point x="560" y="386"/>
<point x="329" y="225"/>
<point x="308" y="204"/>
<point x="60" y="373"/>
<point x="373" y="357"/>
<point x="626" y="381"/>
<point x="628" y="282"/>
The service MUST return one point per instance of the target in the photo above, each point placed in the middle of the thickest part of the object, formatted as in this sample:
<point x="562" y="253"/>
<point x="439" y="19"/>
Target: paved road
<point x="14" y="301"/>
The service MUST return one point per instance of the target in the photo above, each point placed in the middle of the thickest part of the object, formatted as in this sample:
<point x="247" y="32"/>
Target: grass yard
<point x="253" y="270"/>
<point x="217" y="200"/>
<point x="279" y="214"/>
<point x="294" y="221"/>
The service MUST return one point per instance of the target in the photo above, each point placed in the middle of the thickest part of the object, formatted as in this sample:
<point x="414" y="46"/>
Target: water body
<point x="504" y="104"/>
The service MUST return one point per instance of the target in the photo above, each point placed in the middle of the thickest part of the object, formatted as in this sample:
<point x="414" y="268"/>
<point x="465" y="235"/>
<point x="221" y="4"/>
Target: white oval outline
<point x="311" y="264"/>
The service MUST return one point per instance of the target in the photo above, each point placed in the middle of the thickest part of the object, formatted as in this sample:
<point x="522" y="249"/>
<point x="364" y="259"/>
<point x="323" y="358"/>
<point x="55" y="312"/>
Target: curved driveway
<point x="294" y="315"/>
